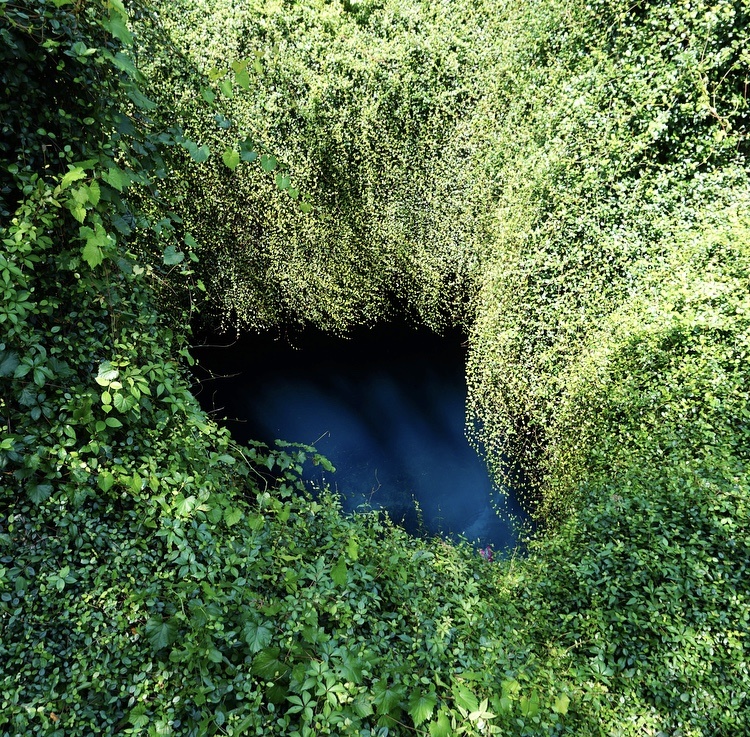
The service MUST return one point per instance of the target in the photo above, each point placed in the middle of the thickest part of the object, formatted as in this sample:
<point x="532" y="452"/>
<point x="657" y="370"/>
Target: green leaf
<point x="530" y="705"/>
<point x="561" y="704"/>
<point x="116" y="178"/>
<point x="421" y="706"/>
<point x="105" y="481"/>
<point x="123" y="403"/>
<point x="94" y="193"/>
<point x="39" y="492"/>
<point x="172" y="256"/>
<point x="125" y="64"/>
<point x="441" y="727"/>
<point x="266" y="664"/>
<point x="232" y="516"/>
<point x="352" y="549"/>
<point x="107" y="374"/>
<point x="208" y="95"/>
<point x="338" y="572"/>
<point x="257" y="636"/>
<point x="306" y="207"/>
<point x="190" y="242"/>
<point x="73" y="175"/>
<point x="8" y="363"/>
<point x="231" y="158"/>
<point x="112" y="422"/>
<point x="283" y="182"/>
<point x="362" y="706"/>
<point x="138" y="717"/>
<point x="117" y="27"/>
<point x="92" y="254"/>
<point x="184" y="505"/>
<point x="96" y="240"/>
<point x="268" y="163"/>
<point x="243" y="79"/>
<point x="143" y="102"/>
<point x="226" y="87"/>
<point x="161" y="632"/>
<point x="465" y="698"/>
<point x="385" y="698"/>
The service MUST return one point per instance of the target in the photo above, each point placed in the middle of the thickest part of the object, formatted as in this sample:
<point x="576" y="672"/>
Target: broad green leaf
<point x="465" y="698"/>
<point x="530" y="705"/>
<point x="208" y="95"/>
<point x="561" y="704"/>
<point x="421" y="706"/>
<point x="116" y="178"/>
<point x="184" y="505"/>
<point x="172" y="256"/>
<point x="73" y="175"/>
<point x="125" y="63"/>
<point x="160" y="632"/>
<point x="118" y="28"/>
<point x="282" y="182"/>
<point x="200" y="154"/>
<point x="268" y="162"/>
<point x="352" y="549"/>
<point x="112" y="422"/>
<point x="8" y="363"/>
<point x="232" y="516"/>
<point x="105" y="481"/>
<point x="190" y="242"/>
<point x="107" y="374"/>
<point x="306" y="207"/>
<point x="243" y="79"/>
<point x="94" y="193"/>
<point x="143" y="102"/>
<point x="92" y="254"/>
<point x="231" y="158"/>
<point x="257" y="636"/>
<point x="123" y="403"/>
<point x="266" y="664"/>
<point x="441" y="727"/>
<point x="385" y="698"/>
<point x="226" y="87"/>
<point x="138" y="717"/>
<point x="338" y="572"/>
<point x="362" y="706"/>
<point x="39" y="492"/>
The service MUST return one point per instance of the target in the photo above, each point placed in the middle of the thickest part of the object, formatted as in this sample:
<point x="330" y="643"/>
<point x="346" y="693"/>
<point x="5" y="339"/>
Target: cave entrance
<point x="385" y="405"/>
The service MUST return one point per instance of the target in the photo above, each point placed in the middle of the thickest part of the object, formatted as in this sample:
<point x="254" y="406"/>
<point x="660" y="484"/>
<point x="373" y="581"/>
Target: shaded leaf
<point x="257" y="636"/>
<point x="160" y="632"/>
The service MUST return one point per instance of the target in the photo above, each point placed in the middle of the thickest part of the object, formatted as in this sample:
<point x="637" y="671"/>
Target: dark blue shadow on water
<point x="386" y="406"/>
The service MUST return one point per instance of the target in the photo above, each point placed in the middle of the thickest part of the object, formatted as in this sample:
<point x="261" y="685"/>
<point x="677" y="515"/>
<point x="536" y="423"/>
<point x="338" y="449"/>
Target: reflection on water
<point x="386" y="407"/>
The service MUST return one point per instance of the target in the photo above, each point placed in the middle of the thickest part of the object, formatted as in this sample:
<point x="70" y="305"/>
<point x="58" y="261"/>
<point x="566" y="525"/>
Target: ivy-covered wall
<point x="566" y="181"/>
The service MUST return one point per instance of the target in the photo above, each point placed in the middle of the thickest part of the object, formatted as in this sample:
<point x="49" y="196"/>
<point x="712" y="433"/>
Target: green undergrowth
<point x="567" y="181"/>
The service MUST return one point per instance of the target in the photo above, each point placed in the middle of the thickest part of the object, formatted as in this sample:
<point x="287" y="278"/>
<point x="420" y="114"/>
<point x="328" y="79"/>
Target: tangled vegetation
<point x="567" y="181"/>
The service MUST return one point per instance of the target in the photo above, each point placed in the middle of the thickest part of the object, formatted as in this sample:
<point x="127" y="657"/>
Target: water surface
<point x="386" y="407"/>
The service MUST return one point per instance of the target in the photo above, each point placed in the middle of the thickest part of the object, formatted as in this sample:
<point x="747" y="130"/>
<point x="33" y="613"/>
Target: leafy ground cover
<point x="566" y="181"/>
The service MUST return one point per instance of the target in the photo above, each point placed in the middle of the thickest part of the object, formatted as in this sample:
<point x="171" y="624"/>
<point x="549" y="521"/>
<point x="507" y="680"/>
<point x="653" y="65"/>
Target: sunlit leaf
<point x="231" y="158"/>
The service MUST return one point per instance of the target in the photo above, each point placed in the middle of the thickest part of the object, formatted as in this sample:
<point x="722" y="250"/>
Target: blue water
<point x="386" y="407"/>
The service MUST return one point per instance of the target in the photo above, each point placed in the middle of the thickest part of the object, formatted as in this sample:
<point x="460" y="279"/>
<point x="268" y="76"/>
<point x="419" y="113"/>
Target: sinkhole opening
<point x="386" y="405"/>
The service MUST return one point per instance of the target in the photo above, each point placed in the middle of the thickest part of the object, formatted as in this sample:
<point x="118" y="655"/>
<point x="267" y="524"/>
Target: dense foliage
<point x="567" y="181"/>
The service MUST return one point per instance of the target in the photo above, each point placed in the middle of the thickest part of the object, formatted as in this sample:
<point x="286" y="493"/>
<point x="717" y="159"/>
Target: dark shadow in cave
<point x="386" y="406"/>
